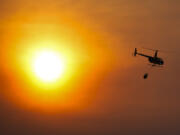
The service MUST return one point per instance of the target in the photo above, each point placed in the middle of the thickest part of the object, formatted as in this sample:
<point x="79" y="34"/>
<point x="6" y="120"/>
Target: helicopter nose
<point x="162" y="62"/>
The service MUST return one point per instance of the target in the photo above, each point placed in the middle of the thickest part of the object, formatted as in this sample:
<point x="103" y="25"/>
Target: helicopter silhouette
<point x="154" y="60"/>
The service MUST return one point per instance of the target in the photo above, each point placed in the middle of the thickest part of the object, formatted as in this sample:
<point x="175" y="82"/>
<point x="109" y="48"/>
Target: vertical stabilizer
<point x="135" y="52"/>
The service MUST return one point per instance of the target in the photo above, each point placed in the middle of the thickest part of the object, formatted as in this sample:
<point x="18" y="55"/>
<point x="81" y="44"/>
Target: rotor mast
<point x="156" y="54"/>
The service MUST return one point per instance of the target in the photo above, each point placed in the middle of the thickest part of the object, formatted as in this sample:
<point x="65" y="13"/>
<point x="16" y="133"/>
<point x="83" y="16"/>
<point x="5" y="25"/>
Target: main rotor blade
<point x="149" y="49"/>
<point x="158" y="50"/>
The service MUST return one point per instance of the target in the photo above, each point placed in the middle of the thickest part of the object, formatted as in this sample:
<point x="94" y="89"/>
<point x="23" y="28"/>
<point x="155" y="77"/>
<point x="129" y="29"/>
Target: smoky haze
<point x="125" y="103"/>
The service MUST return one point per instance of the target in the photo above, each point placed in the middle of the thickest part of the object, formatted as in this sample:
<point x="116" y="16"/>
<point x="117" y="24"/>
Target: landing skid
<point x="156" y="66"/>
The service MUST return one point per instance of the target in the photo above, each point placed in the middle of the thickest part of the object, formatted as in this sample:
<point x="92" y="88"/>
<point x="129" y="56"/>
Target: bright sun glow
<point x="48" y="66"/>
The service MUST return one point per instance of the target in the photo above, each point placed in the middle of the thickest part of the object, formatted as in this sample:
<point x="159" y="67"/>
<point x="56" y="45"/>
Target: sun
<point x="48" y="66"/>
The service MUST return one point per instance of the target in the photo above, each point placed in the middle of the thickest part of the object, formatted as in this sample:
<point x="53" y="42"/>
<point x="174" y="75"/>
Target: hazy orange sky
<point x="115" y="98"/>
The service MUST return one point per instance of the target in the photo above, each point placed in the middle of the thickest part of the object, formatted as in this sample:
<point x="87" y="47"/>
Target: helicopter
<point x="154" y="60"/>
